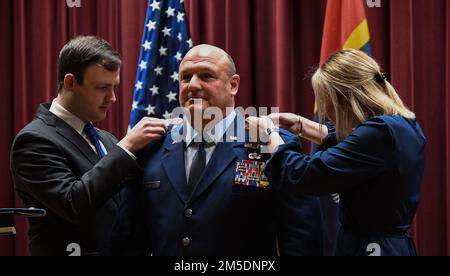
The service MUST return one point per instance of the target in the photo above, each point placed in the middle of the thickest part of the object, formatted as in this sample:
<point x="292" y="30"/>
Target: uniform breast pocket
<point x="253" y="192"/>
<point x="251" y="202"/>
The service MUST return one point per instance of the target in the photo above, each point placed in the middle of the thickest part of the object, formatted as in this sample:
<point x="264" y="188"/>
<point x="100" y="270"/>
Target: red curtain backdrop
<point x="276" y="45"/>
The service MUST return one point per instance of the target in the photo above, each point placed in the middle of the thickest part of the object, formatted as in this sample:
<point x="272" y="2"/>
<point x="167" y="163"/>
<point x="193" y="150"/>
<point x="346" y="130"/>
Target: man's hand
<point x="288" y="121"/>
<point x="147" y="130"/>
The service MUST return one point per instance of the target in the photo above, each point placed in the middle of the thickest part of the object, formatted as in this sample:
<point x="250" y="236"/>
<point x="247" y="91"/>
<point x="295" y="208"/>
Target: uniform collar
<point x="217" y="135"/>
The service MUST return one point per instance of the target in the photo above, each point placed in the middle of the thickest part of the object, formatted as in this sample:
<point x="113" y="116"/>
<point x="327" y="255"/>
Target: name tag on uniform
<point x="152" y="185"/>
<point x="251" y="173"/>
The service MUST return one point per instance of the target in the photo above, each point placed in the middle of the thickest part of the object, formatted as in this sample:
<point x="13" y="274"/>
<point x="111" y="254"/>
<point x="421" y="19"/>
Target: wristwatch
<point x="269" y="130"/>
<point x="300" y="130"/>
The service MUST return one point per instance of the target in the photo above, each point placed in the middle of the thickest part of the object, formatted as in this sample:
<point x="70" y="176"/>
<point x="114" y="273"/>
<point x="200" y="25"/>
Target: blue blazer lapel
<point x="174" y="167"/>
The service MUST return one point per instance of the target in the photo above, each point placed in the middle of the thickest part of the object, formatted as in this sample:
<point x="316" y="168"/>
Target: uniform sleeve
<point x="330" y="140"/>
<point x="42" y="170"/>
<point x="300" y="230"/>
<point x="364" y="154"/>
<point x="129" y="235"/>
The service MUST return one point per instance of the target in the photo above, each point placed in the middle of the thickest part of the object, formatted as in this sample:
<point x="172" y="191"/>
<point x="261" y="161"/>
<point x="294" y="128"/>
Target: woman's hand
<point x="300" y="126"/>
<point x="288" y="121"/>
<point x="257" y="131"/>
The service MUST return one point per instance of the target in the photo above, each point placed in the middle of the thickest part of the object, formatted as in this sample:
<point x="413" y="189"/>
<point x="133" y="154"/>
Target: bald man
<point x="206" y="194"/>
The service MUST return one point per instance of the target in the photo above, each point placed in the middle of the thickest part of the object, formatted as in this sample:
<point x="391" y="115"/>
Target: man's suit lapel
<point x="67" y="132"/>
<point x="75" y="138"/>
<point x="106" y="141"/>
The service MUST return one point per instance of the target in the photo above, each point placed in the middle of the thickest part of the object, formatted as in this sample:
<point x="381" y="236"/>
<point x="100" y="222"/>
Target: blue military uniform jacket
<point x="377" y="170"/>
<point x="220" y="217"/>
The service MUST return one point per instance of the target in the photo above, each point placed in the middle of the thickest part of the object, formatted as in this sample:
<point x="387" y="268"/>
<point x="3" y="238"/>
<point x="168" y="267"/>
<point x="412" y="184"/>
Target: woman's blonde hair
<point x="351" y="86"/>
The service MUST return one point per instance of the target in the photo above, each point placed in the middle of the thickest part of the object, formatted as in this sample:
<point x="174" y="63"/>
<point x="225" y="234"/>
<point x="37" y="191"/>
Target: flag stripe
<point x="359" y="37"/>
<point x="367" y="48"/>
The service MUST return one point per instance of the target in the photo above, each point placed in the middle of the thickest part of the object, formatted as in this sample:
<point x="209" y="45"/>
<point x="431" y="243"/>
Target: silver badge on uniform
<point x="255" y="156"/>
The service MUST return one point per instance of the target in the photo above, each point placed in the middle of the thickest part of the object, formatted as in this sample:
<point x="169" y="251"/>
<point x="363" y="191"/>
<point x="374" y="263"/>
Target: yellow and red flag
<point x="345" y="27"/>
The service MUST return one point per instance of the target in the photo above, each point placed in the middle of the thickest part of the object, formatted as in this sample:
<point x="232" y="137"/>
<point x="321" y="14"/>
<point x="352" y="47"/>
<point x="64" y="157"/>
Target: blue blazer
<point x="160" y="217"/>
<point x="377" y="170"/>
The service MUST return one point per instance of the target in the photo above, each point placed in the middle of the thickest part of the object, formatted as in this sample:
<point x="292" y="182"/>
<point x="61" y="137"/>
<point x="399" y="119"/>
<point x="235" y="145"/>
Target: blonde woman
<point x="374" y="158"/>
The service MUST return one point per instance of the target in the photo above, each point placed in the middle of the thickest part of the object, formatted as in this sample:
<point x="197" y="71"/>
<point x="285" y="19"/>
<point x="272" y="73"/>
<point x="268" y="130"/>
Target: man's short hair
<point x="82" y="52"/>
<point x="233" y="70"/>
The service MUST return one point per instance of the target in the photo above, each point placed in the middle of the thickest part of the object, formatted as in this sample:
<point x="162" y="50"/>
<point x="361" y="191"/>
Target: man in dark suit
<point x="61" y="163"/>
<point x="206" y="194"/>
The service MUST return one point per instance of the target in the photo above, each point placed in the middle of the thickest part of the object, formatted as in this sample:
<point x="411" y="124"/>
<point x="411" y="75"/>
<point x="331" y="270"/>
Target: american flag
<point x="165" y="42"/>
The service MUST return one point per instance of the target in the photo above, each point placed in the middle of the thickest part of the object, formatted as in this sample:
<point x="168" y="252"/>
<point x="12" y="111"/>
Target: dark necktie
<point x="92" y="135"/>
<point x="198" y="166"/>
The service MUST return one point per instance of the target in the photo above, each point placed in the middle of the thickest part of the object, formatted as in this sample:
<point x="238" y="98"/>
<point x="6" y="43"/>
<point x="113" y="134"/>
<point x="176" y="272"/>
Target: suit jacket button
<point x="188" y="213"/>
<point x="186" y="242"/>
